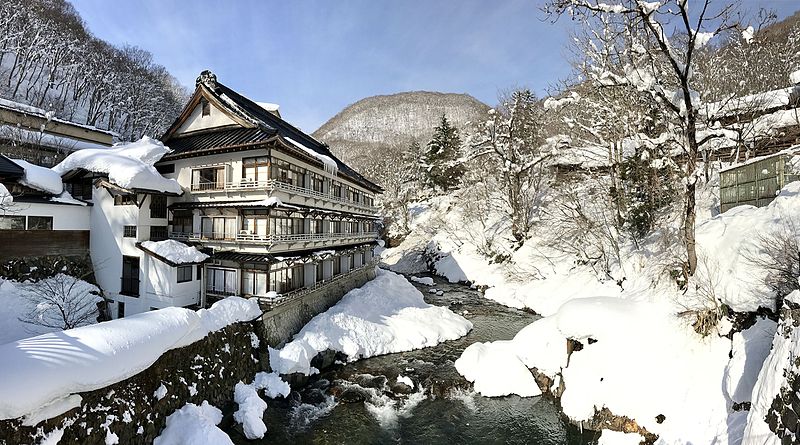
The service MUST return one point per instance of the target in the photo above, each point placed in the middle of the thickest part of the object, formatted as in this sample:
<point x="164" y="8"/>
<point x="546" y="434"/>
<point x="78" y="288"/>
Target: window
<point x="286" y="279"/>
<point x="254" y="282"/>
<point x="158" y="233"/>
<point x="129" y="231"/>
<point x="287" y="173"/>
<point x="81" y="189"/>
<point x="130" y="276"/>
<point x="336" y="189"/>
<point x="12" y="223"/>
<point x="317" y="182"/>
<point x="363" y="258"/>
<point x="257" y="226"/>
<point x="351" y="261"/>
<point x="120" y="309"/>
<point x="287" y="226"/>
<point x="336" y="227"/>
<point x="221" y="228"/>
<point x="199" y="271"/>
<point x="40" y="223"/>
<point x="212" y="178"/>
<point x="182" y="222"/>
<point x="320" y="272"/>
<point x="124" y="200"/>
<point x="205" y="107"/>
<point x="221" y="281"/>
<point x="337" y="265"/>
<point x="184" y="274"/>
<point x="317" y="225"/>
<point x="255" y="170"/>
<point x="158" y="206"/>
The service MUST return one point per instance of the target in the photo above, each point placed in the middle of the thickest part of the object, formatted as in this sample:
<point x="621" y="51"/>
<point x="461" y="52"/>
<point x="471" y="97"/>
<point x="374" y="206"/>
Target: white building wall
<point x="196" y="120"/>
<point x="65" y="217"/>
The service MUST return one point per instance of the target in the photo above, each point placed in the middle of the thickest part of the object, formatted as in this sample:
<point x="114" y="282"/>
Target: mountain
<point x="362" y="131"/>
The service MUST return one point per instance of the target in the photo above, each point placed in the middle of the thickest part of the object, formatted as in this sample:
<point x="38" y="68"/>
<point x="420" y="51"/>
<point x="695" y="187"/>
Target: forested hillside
<point x="49" y="59"/>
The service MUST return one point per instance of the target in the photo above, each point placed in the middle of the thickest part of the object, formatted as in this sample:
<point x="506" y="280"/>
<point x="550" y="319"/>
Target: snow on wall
<point x="388" y="314"/>
<point x="128" y="165"/>
<point x="39" y="370"/>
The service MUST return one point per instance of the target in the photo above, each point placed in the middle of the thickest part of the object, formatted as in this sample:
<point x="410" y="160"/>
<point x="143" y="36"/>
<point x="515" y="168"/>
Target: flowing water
<point x="362" y="403"/>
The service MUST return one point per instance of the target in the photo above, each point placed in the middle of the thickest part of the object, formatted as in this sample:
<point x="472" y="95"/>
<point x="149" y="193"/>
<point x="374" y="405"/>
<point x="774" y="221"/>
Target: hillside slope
<point x="390" y="122"/>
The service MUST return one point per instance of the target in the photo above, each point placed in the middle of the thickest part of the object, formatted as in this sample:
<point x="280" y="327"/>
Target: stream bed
<point x="363" y="402"/>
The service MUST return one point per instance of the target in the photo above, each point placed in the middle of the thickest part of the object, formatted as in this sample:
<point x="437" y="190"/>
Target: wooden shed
<point x="757" y="181"/>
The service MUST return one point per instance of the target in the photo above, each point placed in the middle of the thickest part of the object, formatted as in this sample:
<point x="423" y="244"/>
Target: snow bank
<point x="386" y="315"/>
<point x="194" y="425"/>
<point x="128" y="165"/>
<point x="175" y="251"/>
<point x="774" y="382"/>
<point x="40" y="178"/>
<point x="618" y="438"/>
<point x="5" y="196"/>
<point x="496" y="370"/>
<point x="39" y="370"/>
<point x="641" y="362"/>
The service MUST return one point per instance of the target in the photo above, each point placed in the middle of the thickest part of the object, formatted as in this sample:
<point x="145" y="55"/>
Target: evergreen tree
<point x="442" y="168"/>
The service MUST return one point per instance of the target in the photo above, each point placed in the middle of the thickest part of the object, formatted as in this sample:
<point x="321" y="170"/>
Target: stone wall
<point x="281" y="323"/>
<point x="205" y="370"/>
<point x="783" y="417"/>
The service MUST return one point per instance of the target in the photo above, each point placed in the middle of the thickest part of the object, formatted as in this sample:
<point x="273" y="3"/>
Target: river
<point x="361" y="403"/>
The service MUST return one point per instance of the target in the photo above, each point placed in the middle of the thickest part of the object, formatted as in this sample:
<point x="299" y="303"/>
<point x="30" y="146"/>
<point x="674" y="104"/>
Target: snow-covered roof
<point x="760" y="101"/>
<point x="272" y="108"/>
<point x="330" y="165"/>
<point x="128" y="165"/>
<point x="48" y="115"/>
<point x="58" y="142"/>
<point x="174" y="252"/>
<point x="40" y="178"/>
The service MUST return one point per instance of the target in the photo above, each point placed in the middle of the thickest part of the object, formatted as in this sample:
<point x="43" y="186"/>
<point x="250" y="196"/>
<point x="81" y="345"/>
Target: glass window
<point x="12" y="223"/>
<point x="320" y="273"/>
<point x="212" y="178"/>
<point x="337" y="265"/>
<point x="255" y="169"/>
<point x="158" y="233"/>
<point x="254" y="283"/>
<point x="158" y="206"/>
<point x="129" y="231"/>
<point x="182" y="222"/>
<point x="120" y="309"/>
<point x="218" y="228"/>
<point x="124" y="200"/>
<point x="184" y="274"/>
<point x="221" y="281"/>
<point x="40" y="223"/>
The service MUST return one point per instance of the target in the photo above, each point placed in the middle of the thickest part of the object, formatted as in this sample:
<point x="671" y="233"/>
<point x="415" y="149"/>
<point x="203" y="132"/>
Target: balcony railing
<point x="251" y="238"/>
<point x="270" y="185"/>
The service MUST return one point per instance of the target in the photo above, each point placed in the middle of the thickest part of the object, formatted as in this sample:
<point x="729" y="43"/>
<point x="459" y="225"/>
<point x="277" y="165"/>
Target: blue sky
<point x="314" y="57"/>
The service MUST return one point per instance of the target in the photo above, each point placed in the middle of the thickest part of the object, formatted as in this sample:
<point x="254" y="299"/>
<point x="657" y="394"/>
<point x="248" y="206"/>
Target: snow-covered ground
<point x="641" y="357"/>
<point x="387" y="314"/>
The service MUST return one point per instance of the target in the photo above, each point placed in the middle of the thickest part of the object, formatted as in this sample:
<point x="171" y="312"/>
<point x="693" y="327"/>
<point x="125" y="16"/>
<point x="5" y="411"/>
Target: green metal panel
<point x="728" y="195"/>
<point x="727" y="178"/>
<point x="746" y="174"/>
<point x="747" y="192"/>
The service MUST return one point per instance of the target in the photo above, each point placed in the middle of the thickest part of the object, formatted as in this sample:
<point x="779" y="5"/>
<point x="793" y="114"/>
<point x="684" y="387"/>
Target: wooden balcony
<point x="271" y="185"/>
<point x="270" y="240"/>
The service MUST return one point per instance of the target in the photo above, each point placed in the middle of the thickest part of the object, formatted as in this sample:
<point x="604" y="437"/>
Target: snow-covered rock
<point x="194" y="425"/>
<point x="251" y="406"/>
<point x="175" y="251"/>
<point x="128" y="165"/>
<point x="386" y="315"/>
<point x="39" y="370"/>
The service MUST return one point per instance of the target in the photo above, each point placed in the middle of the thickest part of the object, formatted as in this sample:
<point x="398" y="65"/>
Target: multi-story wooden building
<point x="279" y="214"/>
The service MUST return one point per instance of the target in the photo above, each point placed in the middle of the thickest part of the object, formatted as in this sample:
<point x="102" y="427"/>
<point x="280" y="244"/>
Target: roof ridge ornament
<point x="207" y="78"/>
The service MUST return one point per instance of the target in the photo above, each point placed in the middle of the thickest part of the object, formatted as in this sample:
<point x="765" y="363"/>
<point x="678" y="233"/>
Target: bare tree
<point x="61" y="302"/>
<point x="629" y="43"/>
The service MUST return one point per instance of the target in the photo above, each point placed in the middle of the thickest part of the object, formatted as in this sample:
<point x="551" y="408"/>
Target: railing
<point x="272" y="184"/>
<point x="244" y="237"/>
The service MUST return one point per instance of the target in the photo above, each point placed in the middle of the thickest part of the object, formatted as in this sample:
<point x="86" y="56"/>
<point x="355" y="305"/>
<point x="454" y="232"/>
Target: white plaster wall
<point x="196" y="120"/>
<point x="65" y="217"/>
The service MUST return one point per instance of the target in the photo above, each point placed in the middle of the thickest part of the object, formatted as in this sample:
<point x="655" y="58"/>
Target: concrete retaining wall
<point x="282" y="323"/>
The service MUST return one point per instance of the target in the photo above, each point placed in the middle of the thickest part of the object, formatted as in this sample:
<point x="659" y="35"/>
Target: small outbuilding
<point x="757" y="181"/>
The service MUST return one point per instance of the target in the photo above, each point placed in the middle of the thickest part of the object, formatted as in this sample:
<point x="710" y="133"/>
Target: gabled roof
<point x="257" y="125"/>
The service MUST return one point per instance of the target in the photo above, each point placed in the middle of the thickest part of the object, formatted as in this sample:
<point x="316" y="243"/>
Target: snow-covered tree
<point x="441" y="159"/>
<point x="513" y="141"/>
<point x="61" y="302"/>
<point x="652" y="46"/>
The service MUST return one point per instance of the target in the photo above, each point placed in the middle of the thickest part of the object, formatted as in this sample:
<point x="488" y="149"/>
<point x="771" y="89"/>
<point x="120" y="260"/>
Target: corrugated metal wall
<point x="754" y="184"/>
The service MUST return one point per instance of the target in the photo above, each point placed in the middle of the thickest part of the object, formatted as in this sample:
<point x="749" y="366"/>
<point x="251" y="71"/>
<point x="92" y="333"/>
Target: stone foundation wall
<point x="281" y="323"/>
<point x="206" y="370"/>
<point x="783" y="417"/>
